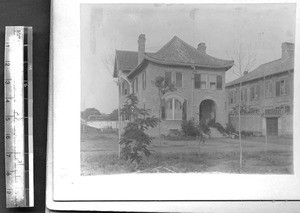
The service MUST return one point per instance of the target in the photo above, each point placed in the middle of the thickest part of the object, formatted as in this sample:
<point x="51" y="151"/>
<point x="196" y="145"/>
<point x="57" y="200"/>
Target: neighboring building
<point x="198" y="77"/>
<point x="268" y="92"/>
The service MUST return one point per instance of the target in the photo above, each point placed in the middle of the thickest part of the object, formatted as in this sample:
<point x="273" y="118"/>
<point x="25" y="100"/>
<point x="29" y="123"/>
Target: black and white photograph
<point x="187" y="88"/>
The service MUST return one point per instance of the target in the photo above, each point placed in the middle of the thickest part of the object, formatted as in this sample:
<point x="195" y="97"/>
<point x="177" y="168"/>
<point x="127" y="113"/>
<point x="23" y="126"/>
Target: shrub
<point x="189" y="128"/>
<point x="230" y="129"/>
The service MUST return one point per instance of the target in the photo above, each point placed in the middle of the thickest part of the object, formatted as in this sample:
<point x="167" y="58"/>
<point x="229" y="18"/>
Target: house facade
<point x="199" y="80"/>
<point x="266" y="95"/>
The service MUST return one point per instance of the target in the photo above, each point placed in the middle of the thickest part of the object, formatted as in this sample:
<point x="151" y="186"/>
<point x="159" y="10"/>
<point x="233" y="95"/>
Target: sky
<point x="258" y="28"/>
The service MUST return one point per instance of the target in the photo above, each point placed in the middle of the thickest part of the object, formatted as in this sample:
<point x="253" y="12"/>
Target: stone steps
<point x="214" y="133"/>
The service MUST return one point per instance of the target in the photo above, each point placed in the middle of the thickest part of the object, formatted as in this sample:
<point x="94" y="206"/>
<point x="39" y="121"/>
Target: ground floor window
<point x="173" y="109"/>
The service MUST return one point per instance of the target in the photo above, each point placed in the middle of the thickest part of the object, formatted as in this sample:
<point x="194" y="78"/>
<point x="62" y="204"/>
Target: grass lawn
<point x="99" y="155"/>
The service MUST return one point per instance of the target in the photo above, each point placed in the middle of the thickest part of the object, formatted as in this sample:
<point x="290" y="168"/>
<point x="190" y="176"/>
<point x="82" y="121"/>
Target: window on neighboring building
<point x="284" y="108"/>
<point x="178" y="82"/>
<point x="219" y="82"/>
<point x="212" y="82"/>
<point x="232" y="97"/>
<point x="197" y="81"/>
<point x="144" y="80"/>
<point x="282" y="87"/>
<point x="254" y="92"/>
<point x="168" y="78"/>
<point x="244" y="94"/>
<point x="173" y="109"/>
<point x="268" y="89"/>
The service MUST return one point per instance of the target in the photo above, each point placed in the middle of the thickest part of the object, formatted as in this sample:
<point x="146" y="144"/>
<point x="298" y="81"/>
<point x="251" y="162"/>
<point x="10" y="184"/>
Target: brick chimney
<point x="141" y="47"/>
<point x="202" y="47"/>
<point x="287" y="50"/>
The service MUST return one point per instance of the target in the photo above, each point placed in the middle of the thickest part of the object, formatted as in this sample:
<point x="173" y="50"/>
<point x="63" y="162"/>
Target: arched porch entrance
<point x="207" y="110"/>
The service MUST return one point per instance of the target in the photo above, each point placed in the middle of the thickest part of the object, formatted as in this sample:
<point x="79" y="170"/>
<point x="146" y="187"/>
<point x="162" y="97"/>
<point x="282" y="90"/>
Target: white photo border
<point x="65" y="183"/>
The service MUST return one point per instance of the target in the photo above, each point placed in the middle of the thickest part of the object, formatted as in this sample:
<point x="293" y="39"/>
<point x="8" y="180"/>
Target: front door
<point x="272" y="126"/>
<point x="207" y="110"/>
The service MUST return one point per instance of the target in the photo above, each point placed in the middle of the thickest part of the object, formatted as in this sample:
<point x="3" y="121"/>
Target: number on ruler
<point x="7" y="118"/>
<point x="7" y="64"/>
<point x="7" y="81"/>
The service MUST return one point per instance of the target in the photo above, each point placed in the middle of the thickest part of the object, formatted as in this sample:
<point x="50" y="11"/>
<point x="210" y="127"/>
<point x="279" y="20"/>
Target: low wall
<point x="286" y="125"/>
<point x="103" y="124"/>
<point x="251" y="123"/>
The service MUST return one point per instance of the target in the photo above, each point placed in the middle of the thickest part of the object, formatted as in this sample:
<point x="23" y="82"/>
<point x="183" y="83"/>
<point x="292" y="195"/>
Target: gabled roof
<point x="178" y="52"/>
<point x="175" y="52"/>
<point x="267" y="69"/>
<point x="125" y="60"/>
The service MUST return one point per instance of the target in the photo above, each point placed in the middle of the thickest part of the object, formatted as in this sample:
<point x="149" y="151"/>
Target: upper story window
<point x="212" y="82"/>
<point x="205" y="81"/>
<point x="174" y="78"/>
<point x="268" y="89"/>
<point x="254" y="92"/>
<point x="282" y="87"/>
<point x="200" y="81"/>
<point x="197" y="81"/>
<point x="137" y="84"/>
<point x="125" y="88"/>
<point x="178" y="82"/>
<point x="144" y="80"/>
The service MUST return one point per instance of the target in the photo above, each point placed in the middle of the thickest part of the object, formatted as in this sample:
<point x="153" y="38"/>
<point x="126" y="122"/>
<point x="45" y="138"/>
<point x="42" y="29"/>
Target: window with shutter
<point x="178" y="79"/>
<point x="268" y="89"/>
<point x="197" y="78"/>
<point x="257" y="92"/>
<point x="203" y="80"/>
<point x="212" y="82"/>
<point x="254" y="92"/>
<point x="219" y="82"/>
<point x="287" y="86"/>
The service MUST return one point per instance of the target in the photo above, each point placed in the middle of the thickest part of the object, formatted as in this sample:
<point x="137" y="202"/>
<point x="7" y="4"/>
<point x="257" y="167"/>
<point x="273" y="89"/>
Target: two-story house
<point x="268" y="90"/>
<point x="198" y="77"/>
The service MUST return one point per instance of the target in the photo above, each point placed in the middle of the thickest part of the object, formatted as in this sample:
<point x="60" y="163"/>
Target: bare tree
<point x="244" y="60"/>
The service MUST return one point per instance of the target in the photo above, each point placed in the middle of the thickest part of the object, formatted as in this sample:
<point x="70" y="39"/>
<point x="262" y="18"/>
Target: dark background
<point x="35" y="13"/>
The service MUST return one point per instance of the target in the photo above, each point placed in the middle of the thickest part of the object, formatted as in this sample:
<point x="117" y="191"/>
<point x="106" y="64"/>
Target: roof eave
<point x="236" y="82"/>
<point x="227" y="66"/>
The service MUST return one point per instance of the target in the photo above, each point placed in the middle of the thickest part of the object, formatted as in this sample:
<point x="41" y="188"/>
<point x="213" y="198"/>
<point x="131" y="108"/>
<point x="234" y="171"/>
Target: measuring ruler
<point x="18" y="104"/>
